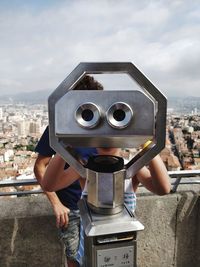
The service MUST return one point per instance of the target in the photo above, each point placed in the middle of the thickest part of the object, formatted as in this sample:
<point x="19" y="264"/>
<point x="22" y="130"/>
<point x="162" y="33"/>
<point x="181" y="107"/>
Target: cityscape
<point x="22" y="124"/>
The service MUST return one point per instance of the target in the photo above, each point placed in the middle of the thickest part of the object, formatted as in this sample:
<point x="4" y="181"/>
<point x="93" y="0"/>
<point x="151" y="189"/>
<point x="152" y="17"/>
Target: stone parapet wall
<point x="28" y="236"/>
<point x="172" y="230"/>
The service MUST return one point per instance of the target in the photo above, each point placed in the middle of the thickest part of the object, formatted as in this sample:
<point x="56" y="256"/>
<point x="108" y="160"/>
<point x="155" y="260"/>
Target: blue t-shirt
<point x="70" y="195"/>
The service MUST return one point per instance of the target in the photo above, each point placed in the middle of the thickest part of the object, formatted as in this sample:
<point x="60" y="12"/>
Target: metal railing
<point x="188" y="176"/>
<point x="183" y="177"/>
<point x="19" y="182"/>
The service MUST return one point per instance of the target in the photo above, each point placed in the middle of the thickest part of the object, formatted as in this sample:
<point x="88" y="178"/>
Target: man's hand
<point x="61" y="213"/>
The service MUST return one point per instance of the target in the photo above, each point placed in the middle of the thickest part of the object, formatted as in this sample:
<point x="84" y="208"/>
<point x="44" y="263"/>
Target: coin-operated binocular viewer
<point x="108" y="119"/>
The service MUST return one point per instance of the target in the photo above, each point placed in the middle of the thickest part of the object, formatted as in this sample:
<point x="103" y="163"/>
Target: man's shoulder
<point x="43" y="147"/>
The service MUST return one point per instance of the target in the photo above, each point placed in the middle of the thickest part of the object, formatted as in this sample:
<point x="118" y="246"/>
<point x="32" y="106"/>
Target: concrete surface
<point x="28" y="236"/>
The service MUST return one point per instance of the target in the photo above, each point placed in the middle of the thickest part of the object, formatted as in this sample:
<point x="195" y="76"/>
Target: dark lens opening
<point x="105" y="164"/>
<point x="106" y="160"/>
<point x="87" y="115"/>
<point x="119" y="115"/>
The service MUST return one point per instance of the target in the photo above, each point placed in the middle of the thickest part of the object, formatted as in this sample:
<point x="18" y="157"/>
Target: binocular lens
<point x="119" y="115"/>
<point x="87" y="115"/>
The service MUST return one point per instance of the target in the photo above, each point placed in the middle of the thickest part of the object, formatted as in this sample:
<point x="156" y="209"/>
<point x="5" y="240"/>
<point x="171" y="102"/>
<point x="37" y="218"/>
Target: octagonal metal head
<point x="119" y="118"/>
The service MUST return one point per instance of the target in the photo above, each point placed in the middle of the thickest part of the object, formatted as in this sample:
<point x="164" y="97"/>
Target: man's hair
<point x="88" y="83"/>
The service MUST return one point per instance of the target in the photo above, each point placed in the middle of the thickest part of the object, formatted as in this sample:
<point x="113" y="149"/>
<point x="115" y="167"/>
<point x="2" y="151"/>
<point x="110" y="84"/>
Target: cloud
<point x="40" y="45"/>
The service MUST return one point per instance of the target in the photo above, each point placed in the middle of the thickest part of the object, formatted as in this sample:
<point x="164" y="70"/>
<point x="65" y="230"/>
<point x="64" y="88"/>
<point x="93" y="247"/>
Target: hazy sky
<point x="41" y="42"/>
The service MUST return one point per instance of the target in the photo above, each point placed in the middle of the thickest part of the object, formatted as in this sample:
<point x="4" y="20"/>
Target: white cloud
<point x="40" y="48"/>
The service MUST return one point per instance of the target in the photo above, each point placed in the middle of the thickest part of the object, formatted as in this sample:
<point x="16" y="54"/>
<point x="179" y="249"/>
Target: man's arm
<point x="155" y="178"/>
<point x="60" y="211"/>
<point x="55" y="177"/>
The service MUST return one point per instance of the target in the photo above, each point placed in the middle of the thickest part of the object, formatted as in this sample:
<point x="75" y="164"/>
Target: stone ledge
<point x="28" y="236"/>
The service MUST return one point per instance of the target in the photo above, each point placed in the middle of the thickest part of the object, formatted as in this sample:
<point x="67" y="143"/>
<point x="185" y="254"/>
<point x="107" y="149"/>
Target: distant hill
<point x="36" y="97"/>
<point x="182" y="104"/>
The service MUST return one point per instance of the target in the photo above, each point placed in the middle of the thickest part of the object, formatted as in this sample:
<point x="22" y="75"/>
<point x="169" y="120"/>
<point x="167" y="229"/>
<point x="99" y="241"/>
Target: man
<point x="64" y="201"/>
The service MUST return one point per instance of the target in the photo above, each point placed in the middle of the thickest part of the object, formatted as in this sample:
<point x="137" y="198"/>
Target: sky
<point x="41" y="42"/>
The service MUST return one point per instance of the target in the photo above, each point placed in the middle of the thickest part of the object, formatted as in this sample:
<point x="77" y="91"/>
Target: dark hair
<point x="88" y="83"/>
